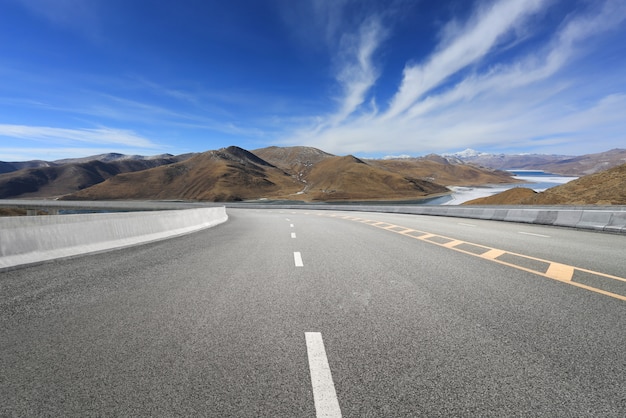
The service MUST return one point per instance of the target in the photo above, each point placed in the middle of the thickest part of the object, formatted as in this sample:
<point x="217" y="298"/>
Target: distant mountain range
<point x="278" y="173"/>
<point x="8" y="167"/>
<point x="235" y="174"/>
<point x="565" y="165"/>
<point x="39" y="179"/>
<point x="232" y="174"/>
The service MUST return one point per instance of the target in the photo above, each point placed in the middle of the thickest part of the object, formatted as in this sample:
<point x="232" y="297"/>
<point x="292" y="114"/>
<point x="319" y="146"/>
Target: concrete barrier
<point x="594" y="220"/>
<point x="598" y="218"/>
<point x="521" y="215"/>
<point x="617" y="223"/>
<point x="568" y="218"/>
<point x="27" y="240"/>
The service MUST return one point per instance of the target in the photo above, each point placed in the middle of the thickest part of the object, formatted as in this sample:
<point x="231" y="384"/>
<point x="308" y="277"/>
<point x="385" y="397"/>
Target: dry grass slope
<point x="603" y="188"/>
<point x="59" y="180"/>
<point x="229" y="174"/>
<point x="444" y="173"/>
<point x="291" y="173"/>
<point x="349" y="178"/>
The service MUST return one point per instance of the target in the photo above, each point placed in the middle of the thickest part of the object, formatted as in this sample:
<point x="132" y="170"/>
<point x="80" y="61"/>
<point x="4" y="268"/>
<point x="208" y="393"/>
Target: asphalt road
<point x="381" y="315"/>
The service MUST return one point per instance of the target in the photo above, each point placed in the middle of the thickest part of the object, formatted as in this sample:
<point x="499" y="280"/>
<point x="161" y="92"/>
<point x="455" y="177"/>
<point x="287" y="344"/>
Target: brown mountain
<point x="228" y="174"/>
<point x="326" y="177"/>
<point x="58" y="180"/>
<point x="8" y="167"/>
<point x="295" y="160"/>
<point x="604" y="188"/>
<point x="233" y="174"/>
<point x="588" y="164"/>
<point x="557" y="164"/>
<point x="114" y="156"/>
<point x="442" y="171"/>
<point x="349" y="178"/>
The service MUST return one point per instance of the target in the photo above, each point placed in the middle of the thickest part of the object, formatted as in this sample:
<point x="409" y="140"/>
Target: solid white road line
<point x="324" y="395"/>
<point x="297" y="258"/>
<point x="461" y="223"/>
<point x="293" y="235"/>
<point x="534" y="235"/>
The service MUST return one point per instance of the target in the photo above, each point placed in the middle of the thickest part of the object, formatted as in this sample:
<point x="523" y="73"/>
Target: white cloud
<point x="467" y="46"/>
<point x="538" y="98"/>
<point x="357" y="73"/>
<point x="65" y="136"/>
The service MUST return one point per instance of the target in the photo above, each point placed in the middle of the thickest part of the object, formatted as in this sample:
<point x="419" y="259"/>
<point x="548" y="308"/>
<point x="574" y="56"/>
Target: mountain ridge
<point x="566" y="165"/>
<point x="235" y="174"/>
<point x="282" y="173"/>
<point x="58" y="180"/>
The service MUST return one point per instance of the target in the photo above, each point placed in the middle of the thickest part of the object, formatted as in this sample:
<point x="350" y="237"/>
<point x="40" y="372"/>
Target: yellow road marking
<point x="425" y="236"/>
<point x="380" y="223"/>
<point x="559" y="271"/>
<point x="556" y="271"/>
<point x="492" y="254"/>
<point x="452" y="244"/>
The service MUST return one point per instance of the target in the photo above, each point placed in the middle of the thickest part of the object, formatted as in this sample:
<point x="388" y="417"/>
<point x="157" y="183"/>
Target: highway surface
<point x="285" y="313"/>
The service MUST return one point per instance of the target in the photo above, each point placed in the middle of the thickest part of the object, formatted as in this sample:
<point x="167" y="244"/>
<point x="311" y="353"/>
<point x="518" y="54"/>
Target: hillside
<point x="604" y="188"/>
<point x="558" y="164"/>
<point x="295" y="160"/>
<point x="294" y="173"/>
<point x="9" y="167"/>
<point x="59" y="180"/>
<point x="349" y="178"/>
<point x="588" y="164"/>
<point x="113" y="156"/>
<point x="229" y="174"/>
<point x="442" y="171"/>
<point x="234" y="174"/>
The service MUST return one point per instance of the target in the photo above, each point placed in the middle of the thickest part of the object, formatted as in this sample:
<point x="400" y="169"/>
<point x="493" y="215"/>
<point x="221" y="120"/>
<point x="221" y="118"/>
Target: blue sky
<point x="369" y="78"/>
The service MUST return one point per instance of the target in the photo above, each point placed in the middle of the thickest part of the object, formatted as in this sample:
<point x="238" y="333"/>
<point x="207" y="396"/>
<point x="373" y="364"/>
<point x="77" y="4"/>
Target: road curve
<point x="316" y="313"/>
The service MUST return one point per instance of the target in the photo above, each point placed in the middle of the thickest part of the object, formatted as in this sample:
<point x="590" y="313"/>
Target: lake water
<point x="536" y="180"/>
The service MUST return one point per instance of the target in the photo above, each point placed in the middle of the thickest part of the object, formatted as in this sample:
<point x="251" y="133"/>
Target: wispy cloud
<point x="465" y="92"/>
<point x="461" y="49"/>
<point x="358" y="72"/>
<point x="62" y="136"/>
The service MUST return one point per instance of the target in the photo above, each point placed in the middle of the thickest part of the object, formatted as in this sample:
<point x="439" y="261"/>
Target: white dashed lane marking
<point x="293" y="235"/>
<point x="297" y="258"/>
<point x="534" y="235"/>
<point x="324" y="395"/>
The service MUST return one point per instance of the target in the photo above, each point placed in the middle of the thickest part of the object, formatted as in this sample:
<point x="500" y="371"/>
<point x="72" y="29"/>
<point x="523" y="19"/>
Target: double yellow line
<point x="550" y="269"/>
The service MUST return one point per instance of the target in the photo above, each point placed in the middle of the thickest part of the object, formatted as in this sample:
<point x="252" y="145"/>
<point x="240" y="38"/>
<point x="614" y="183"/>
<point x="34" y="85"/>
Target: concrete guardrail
<point x="32" y="239"/>
<point x="598" y="218"/>
<point x="35" y="239"/>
